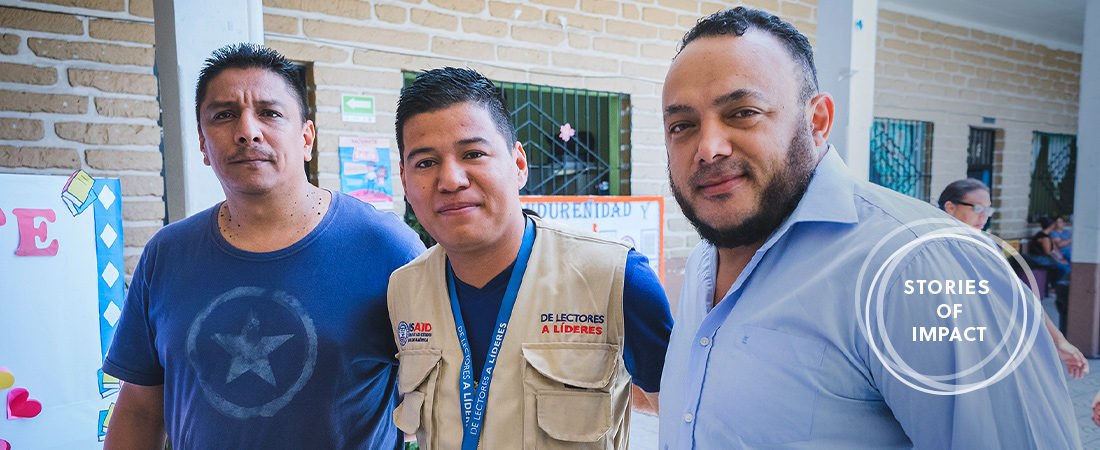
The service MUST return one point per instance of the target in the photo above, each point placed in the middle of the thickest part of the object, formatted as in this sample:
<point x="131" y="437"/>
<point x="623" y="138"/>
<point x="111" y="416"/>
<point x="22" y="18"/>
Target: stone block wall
<point x="77" y="91"/>
<point x="956" y="76"/>
<point x="359" y="47"/>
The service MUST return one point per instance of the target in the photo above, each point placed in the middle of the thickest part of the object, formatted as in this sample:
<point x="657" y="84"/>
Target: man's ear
<point x="202" y="147"/>
<point x="821" y="118"/>
<point x="309" y="133"/>
<point x="521" y="163"/>
<point x="401" y="165"/>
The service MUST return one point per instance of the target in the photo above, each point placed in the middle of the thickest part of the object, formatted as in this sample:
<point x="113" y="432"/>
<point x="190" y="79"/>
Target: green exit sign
<point x="357" y="108"/>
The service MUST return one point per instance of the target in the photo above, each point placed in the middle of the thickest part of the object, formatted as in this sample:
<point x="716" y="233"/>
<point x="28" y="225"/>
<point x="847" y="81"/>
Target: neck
<point x="272" y="222"/>
<point x="477" y="267"/>
<point x="731" y="262"/>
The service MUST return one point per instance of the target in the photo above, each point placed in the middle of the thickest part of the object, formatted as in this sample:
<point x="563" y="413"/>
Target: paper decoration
<point x="104" y="419"/>
<point x="79" y="290"/>
<point x="78" y="193"/>
<point x="567" y="132"/>
<point x="6" y="378"/>
<point x="108" y="385"/>
<point x="4" y="445"/>
<point x="21" y="406"/>
<point x="365" y="170"/>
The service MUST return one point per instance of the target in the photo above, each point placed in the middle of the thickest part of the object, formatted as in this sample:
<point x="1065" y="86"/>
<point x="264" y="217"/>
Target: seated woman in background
<point x="1063" y="238"/>
<point x="968" y="201"/>
<point x="1045" y="252"/>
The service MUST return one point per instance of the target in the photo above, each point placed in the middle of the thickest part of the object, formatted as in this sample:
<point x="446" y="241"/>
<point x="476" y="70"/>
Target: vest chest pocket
<point x="567" y="395"/>
<point x="417" y="375"/>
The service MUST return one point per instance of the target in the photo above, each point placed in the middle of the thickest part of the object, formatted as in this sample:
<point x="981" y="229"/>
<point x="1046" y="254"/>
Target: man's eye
<point x="222" y="115"/>
<point x="270" y="113"/>
<point x="745" y="113"/>
<point x="678" y="127"/>
<point x="474" y="154"/>
<point x="424" y="164"/>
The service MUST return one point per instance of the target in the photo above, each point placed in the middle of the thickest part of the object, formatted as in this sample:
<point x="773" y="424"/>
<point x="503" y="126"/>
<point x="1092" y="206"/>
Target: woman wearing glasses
<point x="968" y="200"/>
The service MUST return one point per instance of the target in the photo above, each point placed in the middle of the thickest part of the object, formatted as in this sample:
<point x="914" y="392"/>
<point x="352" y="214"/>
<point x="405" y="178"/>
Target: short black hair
<point x="437" y="89"/>
<point x="958" y="189"/>
<point x="738" y="20"/>
<point x="1045" y="221"/>
<point x="245" y="55"/>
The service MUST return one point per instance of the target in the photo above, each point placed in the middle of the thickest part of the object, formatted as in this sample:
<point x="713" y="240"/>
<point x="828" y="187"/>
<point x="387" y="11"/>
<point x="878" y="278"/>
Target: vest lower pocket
<point x="573" y="418"/>
<point x="568" y="395"/>
<point x="417" y="375"/>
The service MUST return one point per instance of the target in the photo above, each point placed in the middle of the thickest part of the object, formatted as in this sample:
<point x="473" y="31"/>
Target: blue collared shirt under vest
<point x="784" y="360"/>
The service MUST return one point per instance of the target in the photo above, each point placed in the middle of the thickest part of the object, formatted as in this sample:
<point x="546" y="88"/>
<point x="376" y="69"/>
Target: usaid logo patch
<point x="413" y="332"/>
<point x="402" y="332"/>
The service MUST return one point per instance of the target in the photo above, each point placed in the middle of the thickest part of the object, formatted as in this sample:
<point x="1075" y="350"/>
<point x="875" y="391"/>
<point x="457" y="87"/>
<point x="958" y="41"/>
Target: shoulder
<point x="886" y="206"/>
<point x="432" y="257"/>
<point x="185" y="231"/>
<point x="362" y="224"/>
<point x="642" y="283"/>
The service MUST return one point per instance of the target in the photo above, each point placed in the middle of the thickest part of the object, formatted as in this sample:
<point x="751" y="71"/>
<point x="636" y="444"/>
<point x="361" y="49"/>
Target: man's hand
<point x="138" y="420"/>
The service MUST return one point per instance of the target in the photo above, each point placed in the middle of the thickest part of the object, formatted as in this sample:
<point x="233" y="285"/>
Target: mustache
<point x="724" y="168"/>
<point x="250" y="153"/>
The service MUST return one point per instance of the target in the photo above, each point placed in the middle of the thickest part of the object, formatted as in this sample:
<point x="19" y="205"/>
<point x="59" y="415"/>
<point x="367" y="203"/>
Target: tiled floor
<point x="643" y="428"/>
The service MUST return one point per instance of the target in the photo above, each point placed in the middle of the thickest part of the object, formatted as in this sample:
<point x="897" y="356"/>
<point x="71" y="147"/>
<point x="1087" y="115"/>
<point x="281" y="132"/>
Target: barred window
<point x="1053" y="173"/>
<point x="901" y="156"/>
<point x="577" y="141"/>
<point x="979" y="155"/>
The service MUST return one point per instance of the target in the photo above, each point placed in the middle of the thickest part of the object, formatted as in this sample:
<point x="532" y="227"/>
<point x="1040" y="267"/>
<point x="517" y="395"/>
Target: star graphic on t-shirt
<point x="250" y="356"/>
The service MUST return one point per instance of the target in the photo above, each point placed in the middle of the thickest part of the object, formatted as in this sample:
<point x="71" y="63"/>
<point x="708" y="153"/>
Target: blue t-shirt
<point x="285" y="349"/>
<point x="646" y="319"/>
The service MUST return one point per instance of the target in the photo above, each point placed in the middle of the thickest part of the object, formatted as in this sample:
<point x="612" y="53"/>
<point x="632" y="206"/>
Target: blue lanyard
<point x="473" y="403"/>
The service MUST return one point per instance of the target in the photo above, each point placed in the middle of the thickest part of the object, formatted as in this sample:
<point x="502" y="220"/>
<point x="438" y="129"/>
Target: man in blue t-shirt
<point x="260" y="322"/>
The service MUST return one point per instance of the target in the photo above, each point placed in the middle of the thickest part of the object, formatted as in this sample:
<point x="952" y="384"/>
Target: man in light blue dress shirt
<point x="822" y="311"/>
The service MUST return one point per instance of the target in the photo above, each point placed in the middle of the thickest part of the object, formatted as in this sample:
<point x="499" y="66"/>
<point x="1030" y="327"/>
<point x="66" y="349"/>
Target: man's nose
<point x="248" y="130"/>
<point x="713" y="143"/>
<point x="452" y="177"/>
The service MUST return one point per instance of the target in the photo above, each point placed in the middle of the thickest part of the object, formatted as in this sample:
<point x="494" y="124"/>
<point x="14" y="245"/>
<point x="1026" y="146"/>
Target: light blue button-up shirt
<point x="784" y="360"/>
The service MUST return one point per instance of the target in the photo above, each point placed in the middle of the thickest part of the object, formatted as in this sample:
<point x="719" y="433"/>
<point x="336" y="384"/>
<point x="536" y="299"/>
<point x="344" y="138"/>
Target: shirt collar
<point x="830" y="195"/>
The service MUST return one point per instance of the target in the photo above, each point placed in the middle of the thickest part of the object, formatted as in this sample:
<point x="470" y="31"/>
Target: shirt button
<point x="704" y="341"/>
<point x="688" y="417"/>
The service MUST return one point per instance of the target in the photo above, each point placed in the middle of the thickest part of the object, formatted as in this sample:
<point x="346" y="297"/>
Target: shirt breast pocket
<point x="773" y="380"/>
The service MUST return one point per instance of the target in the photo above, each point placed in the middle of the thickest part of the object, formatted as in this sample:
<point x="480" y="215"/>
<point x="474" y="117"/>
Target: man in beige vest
<point x="513" y="332"/>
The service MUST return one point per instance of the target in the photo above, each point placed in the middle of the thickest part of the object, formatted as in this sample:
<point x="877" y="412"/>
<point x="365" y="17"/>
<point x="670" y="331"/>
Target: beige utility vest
<point x="559" y="382"/>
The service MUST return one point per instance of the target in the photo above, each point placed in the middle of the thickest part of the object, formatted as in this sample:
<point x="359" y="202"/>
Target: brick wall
<point x="77" y="91"/>
<point x="621" y="46"/>
<point x="954" y="76"/>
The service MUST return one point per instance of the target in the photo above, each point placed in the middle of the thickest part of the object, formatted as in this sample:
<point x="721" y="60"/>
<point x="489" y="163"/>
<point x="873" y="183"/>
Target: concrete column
<point x="1084" y="298"/>
<point x="845" y="59"/>
<point x="187" y="32"/>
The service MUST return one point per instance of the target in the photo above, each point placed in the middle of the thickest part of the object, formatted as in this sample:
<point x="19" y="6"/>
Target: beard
<point x="777" y="201"/>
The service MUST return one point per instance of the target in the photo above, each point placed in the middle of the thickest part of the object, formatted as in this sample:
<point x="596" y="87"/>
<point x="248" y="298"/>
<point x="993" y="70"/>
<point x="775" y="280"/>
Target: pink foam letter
<point x="28" y="232"/>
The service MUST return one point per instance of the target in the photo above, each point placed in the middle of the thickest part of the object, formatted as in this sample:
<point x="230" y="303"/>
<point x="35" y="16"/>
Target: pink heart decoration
<point x="21" y="406"/>
<point x="4" y="445"/>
